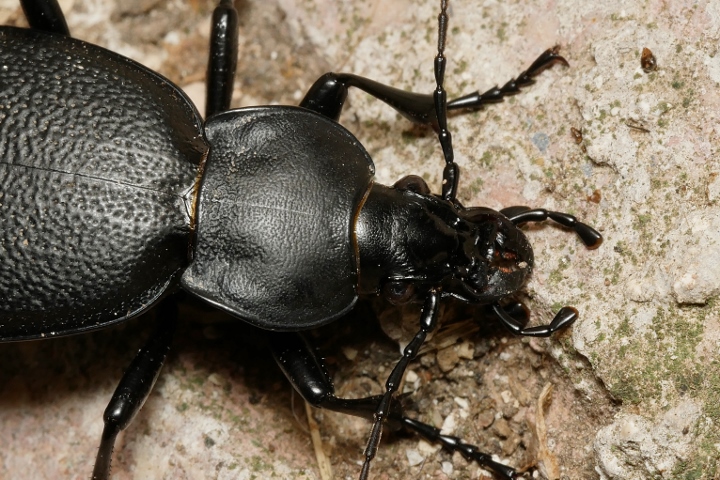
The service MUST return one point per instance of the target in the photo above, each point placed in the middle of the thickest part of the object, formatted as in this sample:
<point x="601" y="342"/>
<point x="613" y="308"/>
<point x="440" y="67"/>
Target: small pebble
<point x="414" y="457"/>
<point x="350" y="353"/>
<point x="447" y="359"/>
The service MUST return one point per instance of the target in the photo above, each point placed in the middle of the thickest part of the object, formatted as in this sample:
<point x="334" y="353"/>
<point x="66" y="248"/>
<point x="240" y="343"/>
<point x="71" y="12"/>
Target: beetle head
<point x="410" y="241"/>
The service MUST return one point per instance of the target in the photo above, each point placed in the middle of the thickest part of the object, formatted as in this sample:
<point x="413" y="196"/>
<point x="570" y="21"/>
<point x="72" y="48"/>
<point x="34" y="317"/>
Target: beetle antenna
<point x="429" y="314"/>
<point x="428" y="322"/>
<point x="451" y="171"/>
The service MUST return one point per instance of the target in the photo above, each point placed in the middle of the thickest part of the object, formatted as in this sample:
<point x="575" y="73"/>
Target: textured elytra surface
<point x="98" y="158"/>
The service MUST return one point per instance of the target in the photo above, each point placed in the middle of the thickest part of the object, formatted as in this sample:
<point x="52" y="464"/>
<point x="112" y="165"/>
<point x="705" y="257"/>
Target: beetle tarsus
<point x="477" y="100"/>
<point x="455" y="444"/>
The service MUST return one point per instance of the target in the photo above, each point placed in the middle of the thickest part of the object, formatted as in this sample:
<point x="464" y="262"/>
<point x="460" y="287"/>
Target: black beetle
<point x="114" y="192"/>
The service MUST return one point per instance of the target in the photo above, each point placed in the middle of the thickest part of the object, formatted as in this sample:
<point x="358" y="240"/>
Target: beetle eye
<point x="414" y="184"/>
<point x="398" y="293"/>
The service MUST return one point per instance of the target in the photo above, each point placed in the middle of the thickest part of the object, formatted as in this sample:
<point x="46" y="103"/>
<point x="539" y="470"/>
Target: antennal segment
<point x="451" y="172"/>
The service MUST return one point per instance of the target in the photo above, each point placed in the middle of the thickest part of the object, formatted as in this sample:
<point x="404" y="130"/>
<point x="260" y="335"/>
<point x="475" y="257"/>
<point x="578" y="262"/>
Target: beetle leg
<point x="328" y="94"/>
<point x="307" y="374"/>
<point x="519" y="215"/>
<point x="516" y="310"/>
<point x="45" y="15"/>
<point x="455" y="444"/>
<point x="327" y="97"/>
<point x="223" y="58"/>
<point x="477" y="100"/>
<point x="135" y="386"/>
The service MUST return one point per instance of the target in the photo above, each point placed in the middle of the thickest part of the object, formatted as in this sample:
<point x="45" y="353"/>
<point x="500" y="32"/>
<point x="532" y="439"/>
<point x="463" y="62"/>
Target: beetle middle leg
<point x="306" y="372"/>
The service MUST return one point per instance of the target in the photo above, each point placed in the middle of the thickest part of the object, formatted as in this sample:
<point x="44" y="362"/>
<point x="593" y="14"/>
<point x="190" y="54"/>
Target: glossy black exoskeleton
<point x="115" y="192"/>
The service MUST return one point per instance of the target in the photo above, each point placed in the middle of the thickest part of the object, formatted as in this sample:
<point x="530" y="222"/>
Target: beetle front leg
<point x="223" y="58"/>
<point x="135" y="386"/>
<point x="455" y="444"/>
<point x="308" y="376"/>
<point x="45" y="15"/>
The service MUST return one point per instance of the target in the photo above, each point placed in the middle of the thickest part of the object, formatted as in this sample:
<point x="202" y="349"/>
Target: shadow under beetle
<point x="114" y="192"/>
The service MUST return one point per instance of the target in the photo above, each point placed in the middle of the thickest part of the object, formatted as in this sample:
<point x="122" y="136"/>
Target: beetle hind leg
<point x="45" y="15"/>
<point x="134" y="387"/>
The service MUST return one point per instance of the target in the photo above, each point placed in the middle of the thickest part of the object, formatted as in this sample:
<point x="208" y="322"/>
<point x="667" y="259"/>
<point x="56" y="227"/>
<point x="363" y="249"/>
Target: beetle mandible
<point x="115" y="193"/>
